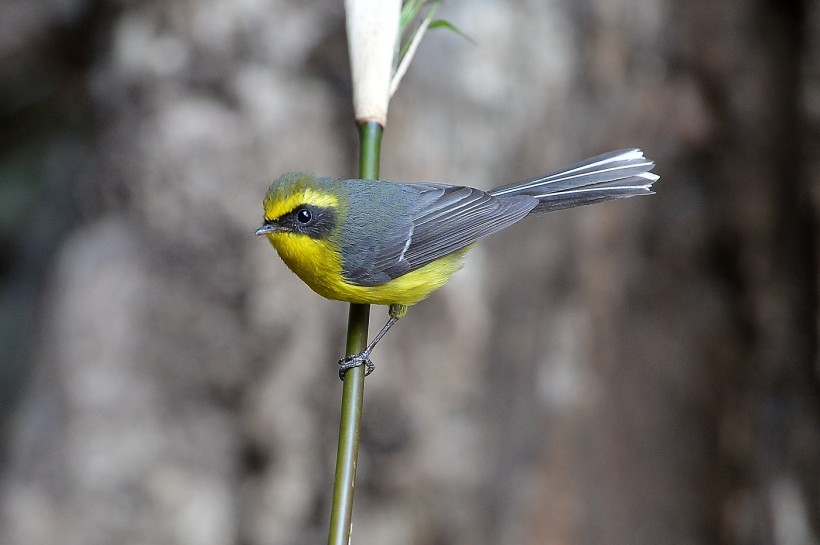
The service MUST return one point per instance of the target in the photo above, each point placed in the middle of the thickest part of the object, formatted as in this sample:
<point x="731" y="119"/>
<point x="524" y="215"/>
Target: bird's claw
<point x="356" y="360"/>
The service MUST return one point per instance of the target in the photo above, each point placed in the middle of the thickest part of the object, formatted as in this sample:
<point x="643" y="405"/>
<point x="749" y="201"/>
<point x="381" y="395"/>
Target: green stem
<point x="341" y="515"/>
<point x="370" y="139"/>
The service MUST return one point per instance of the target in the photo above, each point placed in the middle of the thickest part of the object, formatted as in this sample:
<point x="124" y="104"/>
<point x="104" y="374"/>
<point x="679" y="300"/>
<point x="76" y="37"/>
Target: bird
<point x="385" y="243"/>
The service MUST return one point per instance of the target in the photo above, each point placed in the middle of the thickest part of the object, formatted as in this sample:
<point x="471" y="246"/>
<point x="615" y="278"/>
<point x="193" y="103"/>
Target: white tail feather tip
<point x="628" y="155"/>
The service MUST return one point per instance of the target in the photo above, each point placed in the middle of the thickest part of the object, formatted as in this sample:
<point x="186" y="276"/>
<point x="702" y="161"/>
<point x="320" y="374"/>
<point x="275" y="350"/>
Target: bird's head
<point x="300" y="204"/>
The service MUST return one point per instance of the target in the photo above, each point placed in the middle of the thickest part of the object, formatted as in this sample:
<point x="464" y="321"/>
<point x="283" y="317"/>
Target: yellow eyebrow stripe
<point x="278" y="205"/>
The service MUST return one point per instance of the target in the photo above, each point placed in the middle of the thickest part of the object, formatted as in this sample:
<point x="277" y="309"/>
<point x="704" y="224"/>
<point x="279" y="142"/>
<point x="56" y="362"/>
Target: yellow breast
<point x="319" y="266"/>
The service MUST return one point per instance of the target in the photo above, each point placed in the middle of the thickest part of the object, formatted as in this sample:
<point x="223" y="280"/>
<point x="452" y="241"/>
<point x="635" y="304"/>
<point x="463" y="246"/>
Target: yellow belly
<point x="320" y="267"/>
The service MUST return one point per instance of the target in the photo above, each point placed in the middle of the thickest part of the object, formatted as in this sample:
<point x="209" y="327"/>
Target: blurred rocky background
<point x="638" y="372"/>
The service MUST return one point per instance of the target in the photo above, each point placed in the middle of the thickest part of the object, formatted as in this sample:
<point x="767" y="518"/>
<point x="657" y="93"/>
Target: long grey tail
<point x="613" y="175"/>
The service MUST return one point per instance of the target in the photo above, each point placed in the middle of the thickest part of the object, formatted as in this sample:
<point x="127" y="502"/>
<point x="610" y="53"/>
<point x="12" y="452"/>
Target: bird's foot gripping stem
<point x="363" y="358"/>
<point x="356" y="360"/>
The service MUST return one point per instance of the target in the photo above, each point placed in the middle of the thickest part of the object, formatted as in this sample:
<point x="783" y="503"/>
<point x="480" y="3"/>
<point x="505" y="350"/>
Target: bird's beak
<point x="267" y="228"/>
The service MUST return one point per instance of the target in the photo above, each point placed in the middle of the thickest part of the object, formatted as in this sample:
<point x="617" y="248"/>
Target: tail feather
<point x="614" y="175"/>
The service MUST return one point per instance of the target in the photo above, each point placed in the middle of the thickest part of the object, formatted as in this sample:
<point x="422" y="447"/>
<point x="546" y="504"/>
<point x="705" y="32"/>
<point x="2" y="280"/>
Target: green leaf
<point x="440" y="23"/>
<point x="409" y="11"/>
<point x="414" y="21"/>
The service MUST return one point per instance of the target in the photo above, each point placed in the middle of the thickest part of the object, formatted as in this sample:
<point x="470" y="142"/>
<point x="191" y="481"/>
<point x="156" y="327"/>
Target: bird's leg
<point x="363" y="357"/>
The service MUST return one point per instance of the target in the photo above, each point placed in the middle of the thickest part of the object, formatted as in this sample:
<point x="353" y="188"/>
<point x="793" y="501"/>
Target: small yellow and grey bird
<point x="383" y="243"/>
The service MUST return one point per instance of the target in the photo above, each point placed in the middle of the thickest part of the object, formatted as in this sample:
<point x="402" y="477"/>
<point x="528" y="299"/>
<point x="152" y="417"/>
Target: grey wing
<point x="449" y="218"/>
<point x="443" y="219"/>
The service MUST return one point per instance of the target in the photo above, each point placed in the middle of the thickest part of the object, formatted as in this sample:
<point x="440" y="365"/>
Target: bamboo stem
<point x="341" y="515"/>
<point x="372" y="33"/>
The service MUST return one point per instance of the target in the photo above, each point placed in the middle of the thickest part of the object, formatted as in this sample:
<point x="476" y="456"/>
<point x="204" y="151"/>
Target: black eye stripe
<point x="314" y="221"/>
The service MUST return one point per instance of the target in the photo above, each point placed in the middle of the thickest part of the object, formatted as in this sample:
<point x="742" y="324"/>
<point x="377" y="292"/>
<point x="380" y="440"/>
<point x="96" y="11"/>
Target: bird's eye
<point x="304" y="215"/>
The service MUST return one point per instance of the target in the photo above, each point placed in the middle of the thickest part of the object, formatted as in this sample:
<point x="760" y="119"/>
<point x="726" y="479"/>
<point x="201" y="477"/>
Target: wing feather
<point x="457" y="218"/>
<point x="442" y="219"/>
